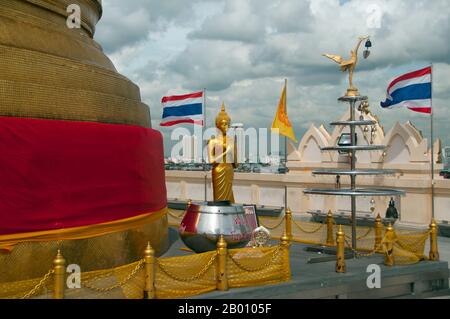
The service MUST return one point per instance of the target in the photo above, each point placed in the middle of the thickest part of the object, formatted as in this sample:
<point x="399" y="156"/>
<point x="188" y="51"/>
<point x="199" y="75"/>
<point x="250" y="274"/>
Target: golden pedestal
<point x="49" y="71"/>
<point x="33" y="260"/>
<point x="53" y="72"/>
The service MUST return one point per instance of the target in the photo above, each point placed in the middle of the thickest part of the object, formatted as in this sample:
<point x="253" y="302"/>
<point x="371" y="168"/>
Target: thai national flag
<point x="412" y="90"/>
<point x="186" y="108"/>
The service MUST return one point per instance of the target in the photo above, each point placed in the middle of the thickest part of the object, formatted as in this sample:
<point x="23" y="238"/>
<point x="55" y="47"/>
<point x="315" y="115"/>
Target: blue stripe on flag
<point x="183" y="110"/>
<point x="410" y="92"/>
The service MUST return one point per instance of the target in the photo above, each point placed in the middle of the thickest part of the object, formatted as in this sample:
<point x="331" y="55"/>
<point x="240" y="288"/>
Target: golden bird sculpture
<point x="349" y="65"/>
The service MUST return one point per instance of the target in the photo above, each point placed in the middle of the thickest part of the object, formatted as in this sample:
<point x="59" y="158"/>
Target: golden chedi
<point x="81" y="170"/>
<point x="222" y="155"/>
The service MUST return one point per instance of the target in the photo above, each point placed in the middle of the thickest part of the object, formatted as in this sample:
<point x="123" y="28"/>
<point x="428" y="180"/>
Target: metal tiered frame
<point x="354" y="192"/>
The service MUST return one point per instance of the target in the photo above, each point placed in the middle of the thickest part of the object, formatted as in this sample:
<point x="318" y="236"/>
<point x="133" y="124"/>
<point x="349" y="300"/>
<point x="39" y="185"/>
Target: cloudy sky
<point x="242" y="50"/>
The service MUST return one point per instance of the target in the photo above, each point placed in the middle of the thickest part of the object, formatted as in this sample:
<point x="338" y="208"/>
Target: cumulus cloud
<point x="237" y="22"/>
<point x="241" y="51"/>
<point x="126" y="23"/>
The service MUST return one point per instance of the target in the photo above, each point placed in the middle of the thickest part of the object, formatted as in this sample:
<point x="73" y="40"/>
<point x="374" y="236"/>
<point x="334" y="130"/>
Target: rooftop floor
<point x="319" y="280"/>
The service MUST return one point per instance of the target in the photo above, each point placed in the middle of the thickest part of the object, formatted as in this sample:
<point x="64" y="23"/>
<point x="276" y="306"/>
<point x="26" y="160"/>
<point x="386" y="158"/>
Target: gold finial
<point x="433" y="223"/>
<point x="149" y="251"/>
<point x="59" y="259"/>
<point x="221" y="243"/>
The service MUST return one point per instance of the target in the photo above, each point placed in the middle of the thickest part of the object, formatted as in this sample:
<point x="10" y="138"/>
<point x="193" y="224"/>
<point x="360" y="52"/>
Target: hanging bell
<point x="392" y="212"/>
<point x="367" y="51"/>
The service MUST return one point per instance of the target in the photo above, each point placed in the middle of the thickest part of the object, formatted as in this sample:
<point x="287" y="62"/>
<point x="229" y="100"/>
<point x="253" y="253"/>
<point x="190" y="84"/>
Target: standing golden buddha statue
<point x="222" y="156"/>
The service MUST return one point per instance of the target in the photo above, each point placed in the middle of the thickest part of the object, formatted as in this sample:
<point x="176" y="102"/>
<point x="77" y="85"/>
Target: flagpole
<point x="203" y="157"/>
<point x="285" y="152"/>
<point x="432" y="146"/>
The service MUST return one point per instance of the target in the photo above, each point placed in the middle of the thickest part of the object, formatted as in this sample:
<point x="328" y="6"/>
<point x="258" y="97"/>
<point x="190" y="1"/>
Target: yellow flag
<point x="281" y="121"/>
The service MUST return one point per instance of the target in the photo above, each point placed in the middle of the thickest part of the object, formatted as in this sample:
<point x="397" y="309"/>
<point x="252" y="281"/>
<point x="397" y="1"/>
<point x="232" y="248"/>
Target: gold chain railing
<point x="132" y="274"/>
<point x="362" y="236"/>
<point x="358" y="253"/>
<point x="271" y="260"/>
<point x="41" y="283"/>
<point x="192" y="278"/>
<point x="308" y="231"/>
<point x="393" y="246"/>
<point x="273" y="227"/>
<point x="384" y="244"/>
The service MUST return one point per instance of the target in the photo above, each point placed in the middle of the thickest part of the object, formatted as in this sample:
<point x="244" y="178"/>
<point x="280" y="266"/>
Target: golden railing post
<point x="59" y="276"/>
<point x="340" y="251"/>
<point x="330" y="226"/>
<point x="285" y="241"/>
<point x="288" y="222"/>
<point x="149" y="261"/>
<point x="221" y="265"/>
<point x="189" y="203"/>
<point x="434" y="253"/>
<point x="378" y="234"/>
<point x="389" y="246"/>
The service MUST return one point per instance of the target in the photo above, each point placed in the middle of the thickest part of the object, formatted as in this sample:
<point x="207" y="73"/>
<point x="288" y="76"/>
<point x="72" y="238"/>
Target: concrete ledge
<point x="423" y="280"/>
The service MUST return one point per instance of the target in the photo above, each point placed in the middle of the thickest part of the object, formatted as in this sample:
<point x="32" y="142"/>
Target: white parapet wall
<point x="407" y="152"/>
<point x="269" y="190"/>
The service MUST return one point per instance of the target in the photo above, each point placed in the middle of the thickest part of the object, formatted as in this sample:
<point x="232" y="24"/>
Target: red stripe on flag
<point x="198" y="122"/>
<point x="426" y="110"/>
<point x="181" y="97"/>
<point x="410" y="75"/>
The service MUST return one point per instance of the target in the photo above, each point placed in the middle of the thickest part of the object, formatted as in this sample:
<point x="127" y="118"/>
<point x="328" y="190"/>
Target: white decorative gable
<point x="405" y="144"/>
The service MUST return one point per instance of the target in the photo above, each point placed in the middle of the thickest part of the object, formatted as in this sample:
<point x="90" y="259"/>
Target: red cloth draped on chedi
<point x="60" y="174"/>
